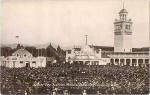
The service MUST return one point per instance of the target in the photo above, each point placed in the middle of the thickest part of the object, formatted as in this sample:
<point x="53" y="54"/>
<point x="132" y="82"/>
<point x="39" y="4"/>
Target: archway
<point x="27" y="64"/>
<point x="112" y="61"/>
<point x="122" y="62"/>
<point x="134" y="61"/>
<point x="147" y="62"/>
<point x="116" y="61"/>
<point x="128" y="62"/>
<point x="140" y="61"/>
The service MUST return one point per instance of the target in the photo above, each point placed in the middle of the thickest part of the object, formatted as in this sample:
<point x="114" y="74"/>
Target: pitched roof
<point x="21" y="51"/>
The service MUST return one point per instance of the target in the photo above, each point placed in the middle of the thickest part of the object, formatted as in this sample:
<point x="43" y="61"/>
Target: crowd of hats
<point x="75" y="79"/>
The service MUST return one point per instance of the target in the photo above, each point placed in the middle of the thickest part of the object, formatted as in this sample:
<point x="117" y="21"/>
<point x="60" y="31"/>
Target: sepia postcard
<point x="74" y="47"/>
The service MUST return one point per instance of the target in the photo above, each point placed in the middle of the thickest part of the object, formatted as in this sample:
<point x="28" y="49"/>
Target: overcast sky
<point x="65" y="22"/>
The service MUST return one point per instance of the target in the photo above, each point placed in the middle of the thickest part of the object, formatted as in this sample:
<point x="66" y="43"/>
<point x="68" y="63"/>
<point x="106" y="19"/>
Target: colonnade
<point x="129" y="61"/>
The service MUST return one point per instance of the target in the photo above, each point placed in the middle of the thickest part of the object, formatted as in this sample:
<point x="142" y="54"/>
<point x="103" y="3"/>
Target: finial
<point x="123" y="3"/>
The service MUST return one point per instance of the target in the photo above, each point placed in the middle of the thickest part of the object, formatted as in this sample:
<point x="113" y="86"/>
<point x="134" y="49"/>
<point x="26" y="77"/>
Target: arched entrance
<point x="128" y="62"/>
<point x="27" y="64"/>
<point x="112" y="61"/>
<point x="140" y="61"/>
<point x="121" y="62"/>
<point x="146" y="62"/>
<point x="134" y="61"/>
<point x="116" y="61"/>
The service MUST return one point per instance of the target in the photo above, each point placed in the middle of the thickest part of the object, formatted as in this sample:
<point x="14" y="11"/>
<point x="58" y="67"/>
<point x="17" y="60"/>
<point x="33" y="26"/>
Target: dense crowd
<point x="75" y="78"/>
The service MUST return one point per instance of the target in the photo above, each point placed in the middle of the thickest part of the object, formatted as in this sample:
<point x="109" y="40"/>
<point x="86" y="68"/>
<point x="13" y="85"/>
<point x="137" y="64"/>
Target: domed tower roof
<point x="123" y="11"/>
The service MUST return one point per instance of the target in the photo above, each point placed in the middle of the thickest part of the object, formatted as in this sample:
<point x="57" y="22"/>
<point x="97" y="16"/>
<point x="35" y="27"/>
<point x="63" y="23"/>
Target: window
<point x="33" y="61"/>
<point x="21" y="61"/>
<point x="69" y="51"/>
<point x="127" y="26"/>
<point x="25" y="55"/>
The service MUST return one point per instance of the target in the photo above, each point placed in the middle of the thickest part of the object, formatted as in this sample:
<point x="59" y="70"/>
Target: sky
<point x="66" y="22"/>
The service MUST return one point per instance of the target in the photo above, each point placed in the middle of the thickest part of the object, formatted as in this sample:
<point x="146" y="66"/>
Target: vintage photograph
<point x="74" y="47"/>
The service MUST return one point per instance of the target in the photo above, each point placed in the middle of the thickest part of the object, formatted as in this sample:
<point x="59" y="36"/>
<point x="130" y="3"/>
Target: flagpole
<point x="17" y="37"/>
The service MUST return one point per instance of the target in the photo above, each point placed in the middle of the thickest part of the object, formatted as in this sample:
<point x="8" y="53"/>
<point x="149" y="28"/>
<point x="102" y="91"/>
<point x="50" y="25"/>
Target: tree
<point x="32" y="50"/>
<point x="6" y="51"/>
<point x="59" y="49"/>
<point x="51" y="51"/>
<point x="18" y="46"/>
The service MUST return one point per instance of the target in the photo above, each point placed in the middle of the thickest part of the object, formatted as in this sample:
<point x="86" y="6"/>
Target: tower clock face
<point x="118" y="27"/>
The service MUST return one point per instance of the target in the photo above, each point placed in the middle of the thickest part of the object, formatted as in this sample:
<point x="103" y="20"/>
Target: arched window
<point x="126" y="26"/>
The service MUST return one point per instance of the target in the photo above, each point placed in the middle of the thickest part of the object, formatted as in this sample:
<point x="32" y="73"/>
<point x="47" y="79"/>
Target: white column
<point x="137" y="62"/>
<point x="125" y="61"/>
<point x="144" y="62"/>
<point x="130" y="61"/>
<point x="83" y="62"/>
<point x="119" y="61"/>
<point x="114" y="61"/>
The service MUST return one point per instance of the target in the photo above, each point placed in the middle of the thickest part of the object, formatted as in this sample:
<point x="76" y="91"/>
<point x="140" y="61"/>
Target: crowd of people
<point x="75" y="78"/>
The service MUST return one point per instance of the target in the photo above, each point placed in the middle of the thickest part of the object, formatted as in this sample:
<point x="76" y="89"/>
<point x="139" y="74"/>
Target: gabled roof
<point x="21" y="51"/>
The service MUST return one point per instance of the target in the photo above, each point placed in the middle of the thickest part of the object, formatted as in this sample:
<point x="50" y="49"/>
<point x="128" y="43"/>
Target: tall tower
<point x="123" y="33"/>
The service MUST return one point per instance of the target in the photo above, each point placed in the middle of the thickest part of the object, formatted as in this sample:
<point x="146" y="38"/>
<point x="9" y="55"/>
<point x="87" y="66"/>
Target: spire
<point x="17" y="37"/>
<point x="123" y="13"/>
<point x="86" y="39"/>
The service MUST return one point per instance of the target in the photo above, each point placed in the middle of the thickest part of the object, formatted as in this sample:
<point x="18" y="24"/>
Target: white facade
<point x="22" y="58"/>
<point x="86" y="55"/>
<point x="123" y="54"/>
<point x="123" y="33"/>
